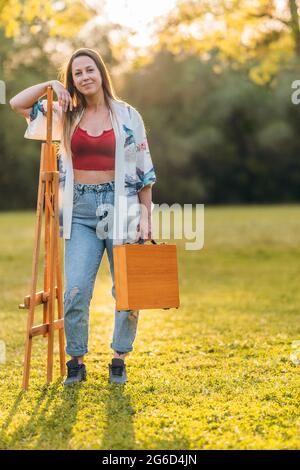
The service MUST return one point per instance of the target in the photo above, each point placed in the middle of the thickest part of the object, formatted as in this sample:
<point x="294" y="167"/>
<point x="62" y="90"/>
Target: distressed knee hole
<point x="133" y="315"/>
<point x="70" y="295"/>
<point x="73" y="292"/>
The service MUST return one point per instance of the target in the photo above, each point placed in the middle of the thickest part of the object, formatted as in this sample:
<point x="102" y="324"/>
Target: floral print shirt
<point x="133" y="164"/>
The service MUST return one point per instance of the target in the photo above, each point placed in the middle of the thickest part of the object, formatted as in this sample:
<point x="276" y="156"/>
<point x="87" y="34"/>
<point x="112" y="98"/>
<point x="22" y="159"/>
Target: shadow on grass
<point x="7" y="422"/>
<point x="51" y="416"/>
<point x="119" y="428"/>
<point x="119" y="431"/>
<point x="51" y="419"/>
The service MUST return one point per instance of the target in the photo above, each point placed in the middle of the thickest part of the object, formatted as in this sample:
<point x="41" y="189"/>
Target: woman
<point x="107" y="188"/>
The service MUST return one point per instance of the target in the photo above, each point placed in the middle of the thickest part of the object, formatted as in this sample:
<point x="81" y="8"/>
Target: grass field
<point x="214" y="374"/>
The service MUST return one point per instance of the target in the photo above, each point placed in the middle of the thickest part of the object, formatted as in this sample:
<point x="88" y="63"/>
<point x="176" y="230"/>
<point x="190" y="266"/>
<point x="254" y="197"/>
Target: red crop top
<point x="93" y="152"/>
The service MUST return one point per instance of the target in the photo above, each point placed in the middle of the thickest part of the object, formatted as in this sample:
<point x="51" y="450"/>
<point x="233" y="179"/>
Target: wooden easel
<point x="47" y="200"/>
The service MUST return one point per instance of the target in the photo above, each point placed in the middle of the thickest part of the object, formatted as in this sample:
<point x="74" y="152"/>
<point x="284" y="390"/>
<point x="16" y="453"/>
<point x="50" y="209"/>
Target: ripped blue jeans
<point x="82" y="257"/>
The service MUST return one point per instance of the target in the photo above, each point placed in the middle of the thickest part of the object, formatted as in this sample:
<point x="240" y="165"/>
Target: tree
<point x="217" y="138"/>
<point x="257" y="34"/>
<point x="63" y="19"/>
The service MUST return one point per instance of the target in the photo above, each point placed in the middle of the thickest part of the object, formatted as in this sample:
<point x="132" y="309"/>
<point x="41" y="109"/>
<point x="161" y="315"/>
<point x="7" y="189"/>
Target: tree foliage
<point x="61" y="18"/>
<point x="214" y="137"/>
<point x="260" y="35"/>
<point x="217" y="138"/>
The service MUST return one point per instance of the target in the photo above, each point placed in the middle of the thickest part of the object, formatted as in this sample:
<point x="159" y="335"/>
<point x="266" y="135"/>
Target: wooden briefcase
<point x="146" y="276"/>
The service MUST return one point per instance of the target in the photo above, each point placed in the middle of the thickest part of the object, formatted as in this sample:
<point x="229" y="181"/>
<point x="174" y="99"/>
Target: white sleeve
<point x="37" y="121"/>
<point x="144" y="165"/>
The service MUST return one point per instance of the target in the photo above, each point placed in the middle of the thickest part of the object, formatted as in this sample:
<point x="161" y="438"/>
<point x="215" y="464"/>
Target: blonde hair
<point x="78" y="99"/>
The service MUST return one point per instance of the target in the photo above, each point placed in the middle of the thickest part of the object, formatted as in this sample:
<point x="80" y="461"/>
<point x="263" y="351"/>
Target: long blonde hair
<point x="78" y="99"/>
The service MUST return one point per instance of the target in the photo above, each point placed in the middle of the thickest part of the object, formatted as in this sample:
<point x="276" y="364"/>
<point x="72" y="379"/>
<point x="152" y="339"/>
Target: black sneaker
<point x="117" y="371"/>
<point x="76" y="372"/>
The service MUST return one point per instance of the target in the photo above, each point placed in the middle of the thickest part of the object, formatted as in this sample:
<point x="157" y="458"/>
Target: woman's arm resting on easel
<point x="23" y="102"/>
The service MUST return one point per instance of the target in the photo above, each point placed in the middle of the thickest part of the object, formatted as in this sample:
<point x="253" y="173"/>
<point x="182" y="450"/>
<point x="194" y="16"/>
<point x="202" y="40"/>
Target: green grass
<point x="214" y="374"/>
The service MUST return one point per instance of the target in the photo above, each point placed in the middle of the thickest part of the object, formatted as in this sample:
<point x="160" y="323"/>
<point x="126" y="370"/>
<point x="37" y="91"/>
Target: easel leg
<point x="52" y="271"/>
<point x="60" y="307"/>
<point x="48" y="195"/>
<point x="30" y="319"/>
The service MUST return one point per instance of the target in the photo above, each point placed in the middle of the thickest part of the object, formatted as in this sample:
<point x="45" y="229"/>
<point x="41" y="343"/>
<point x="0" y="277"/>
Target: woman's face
<point x="86" y="76"/>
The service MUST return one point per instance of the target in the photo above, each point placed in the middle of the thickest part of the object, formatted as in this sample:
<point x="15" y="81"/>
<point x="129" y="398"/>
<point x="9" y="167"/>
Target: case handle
<point x="141" y="241"/>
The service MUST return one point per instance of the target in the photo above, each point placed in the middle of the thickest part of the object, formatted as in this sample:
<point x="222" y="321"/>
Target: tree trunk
<point x="295" y="25"/>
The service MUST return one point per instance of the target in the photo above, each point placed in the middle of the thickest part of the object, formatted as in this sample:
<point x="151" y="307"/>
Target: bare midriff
<point x="87" y="123"/>
<point x="93" y="177"/>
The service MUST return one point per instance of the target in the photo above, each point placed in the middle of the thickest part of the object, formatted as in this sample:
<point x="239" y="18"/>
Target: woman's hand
<point x="63" y="96"/>
<point x="144" y="230"/>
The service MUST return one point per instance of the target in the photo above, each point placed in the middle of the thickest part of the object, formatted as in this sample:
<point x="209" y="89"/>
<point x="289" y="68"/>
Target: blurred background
<point x="213" y="82"/>
<point x="212" y="79"/>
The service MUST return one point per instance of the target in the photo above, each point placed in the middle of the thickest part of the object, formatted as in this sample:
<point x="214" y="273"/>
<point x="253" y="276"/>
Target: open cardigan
<point x="133" y="165"/>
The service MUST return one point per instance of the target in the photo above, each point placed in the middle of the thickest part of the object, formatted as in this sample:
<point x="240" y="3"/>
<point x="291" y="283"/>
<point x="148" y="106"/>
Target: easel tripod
<point x="47" y="201"/>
